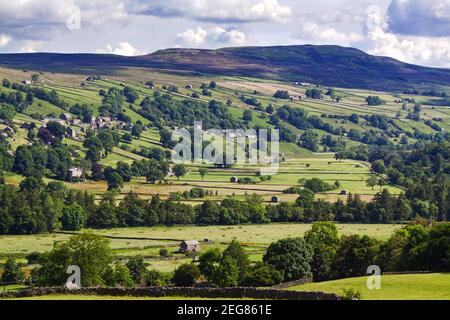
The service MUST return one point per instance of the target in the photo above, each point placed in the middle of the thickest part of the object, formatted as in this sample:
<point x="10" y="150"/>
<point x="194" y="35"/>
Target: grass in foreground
<point x="393" y="287"/>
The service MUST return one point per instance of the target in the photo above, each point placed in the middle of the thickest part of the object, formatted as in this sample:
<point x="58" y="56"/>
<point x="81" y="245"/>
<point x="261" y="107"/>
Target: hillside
<point x="325" y="65"/>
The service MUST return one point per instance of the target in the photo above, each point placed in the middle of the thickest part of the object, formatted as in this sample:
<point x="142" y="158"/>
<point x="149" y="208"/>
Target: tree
<point x="56" y="129"/>
<point x="247" y="116"/>
<point x="227" y="273"/>
<point x="270" y="109"/>
<point x="203" y="172"/>
<point x="208" y="262"/>
<point x="186" y="275"/>
<point x="136" y="131"/>
<point x="308" y="140"/>
<point x="130" y="94"/>
<point x="95" y="147"/>
<point x="104" y="215"/>
<point x="30" y="184"/>
<point x="324" y="240"/>
<point x="379" y="167"/>
<point x="73" y="217"/>
<point x="292" y="257"/>
<point x="124" y="170"/>
<point x="305" y="199"/>
<point x="154" y="174"/>
<point x="317" y="185"/>
<point x="89" y="252"/>
<point x="212" y="85"/>
<point x="354" y="255"/>
<point x="179" y="170"/>
<point x="127" y="137"/>
<point x="372" y="181"/>
<point x="107" y="141"/>
<point x="118" y="276"/>
<point x="137" y="268"/>
<point x="374" y="101"/>
<point x="237" y="253"/>
<point x="282" y="94"/>
<point x="314" y="93"/>
<point x="12" y="273"/>
<point x="115" y="181"/>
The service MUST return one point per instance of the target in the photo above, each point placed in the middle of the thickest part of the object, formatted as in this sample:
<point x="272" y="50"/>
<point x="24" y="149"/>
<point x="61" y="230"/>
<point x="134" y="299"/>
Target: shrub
<point x="186" y="275"/>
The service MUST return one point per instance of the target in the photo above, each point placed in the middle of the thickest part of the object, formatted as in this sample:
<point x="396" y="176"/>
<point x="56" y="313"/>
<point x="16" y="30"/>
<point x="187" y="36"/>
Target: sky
<point x="414" y="31"/>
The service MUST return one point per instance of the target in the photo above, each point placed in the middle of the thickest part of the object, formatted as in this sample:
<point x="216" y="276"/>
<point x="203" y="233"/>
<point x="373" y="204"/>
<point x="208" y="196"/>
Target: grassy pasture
<point x="255" y="237"/>
<point x="393" y="287"/>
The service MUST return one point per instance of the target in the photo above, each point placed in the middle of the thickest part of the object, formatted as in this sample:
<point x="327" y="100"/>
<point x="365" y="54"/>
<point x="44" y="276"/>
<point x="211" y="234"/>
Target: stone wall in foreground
<point x="231" y="293"/>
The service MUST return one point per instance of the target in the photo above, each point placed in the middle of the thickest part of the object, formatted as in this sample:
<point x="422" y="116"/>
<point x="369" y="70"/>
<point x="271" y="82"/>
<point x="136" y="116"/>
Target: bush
<point x="317" y="185"/>
<point x="34" y="257"/>
<point x="154" y="278"/>
<point x="137" y="268"/>
<point x="118" y="276"/>
<point x="12" y="273"/>
<point x="374" y="101"/>
<point x="293" y="190"/>
<point x="281" y="94"/>
<point x="351" y="294"/>
<point x="186" y="275"/>
<point x="262" y="275"/>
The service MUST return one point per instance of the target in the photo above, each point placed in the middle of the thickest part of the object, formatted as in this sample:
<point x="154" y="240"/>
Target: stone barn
<point x="190" y="246"/>
<point x="275" y="199"/>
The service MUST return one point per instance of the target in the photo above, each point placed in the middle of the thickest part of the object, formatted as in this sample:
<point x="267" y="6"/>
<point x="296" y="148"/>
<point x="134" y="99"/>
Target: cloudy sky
<point x="416" y="31"/>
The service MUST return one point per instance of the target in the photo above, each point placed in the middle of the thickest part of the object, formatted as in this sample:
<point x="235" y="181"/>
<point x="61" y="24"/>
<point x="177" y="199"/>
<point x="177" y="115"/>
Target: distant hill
<point x="325" y="65"/>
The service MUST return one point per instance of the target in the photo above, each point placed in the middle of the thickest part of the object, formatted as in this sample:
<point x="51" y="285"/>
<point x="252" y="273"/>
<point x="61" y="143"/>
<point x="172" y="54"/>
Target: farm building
<point x="344" y="192"/>
<point x="28" y="82"/>
<point x="190" y="246"/>
<point x="71" y="133"/>
<point x="65" y="116"/>
<point x="295" y="98"/>
<point x="75" y="173"/>
<point x="275" y="199"/>
<point x="189" y="86"/>
<point x="76" y="122"/>
<point x="234" y="179"/>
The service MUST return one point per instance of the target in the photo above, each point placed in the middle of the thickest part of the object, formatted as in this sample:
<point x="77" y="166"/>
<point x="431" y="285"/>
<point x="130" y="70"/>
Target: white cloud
<point x="41" y="19"/>
<point x="123" y="49"/>
<point x="31" y="46"/>
<point x="192" y="37"/>
<point x="320" y="34"/>
<point x="433" y="51"/>
<point x="213" y="36"/>
<point x="4" y="40"/>
<point x="420" y="17"/>
<point x="222" y="11"/>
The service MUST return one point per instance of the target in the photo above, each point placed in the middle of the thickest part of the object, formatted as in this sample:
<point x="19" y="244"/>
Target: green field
<point x="393" y="287"/>
<point x="255" y="239"/>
